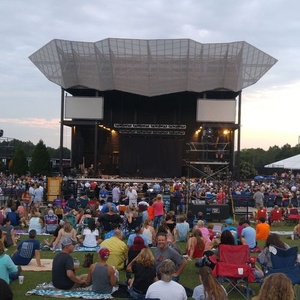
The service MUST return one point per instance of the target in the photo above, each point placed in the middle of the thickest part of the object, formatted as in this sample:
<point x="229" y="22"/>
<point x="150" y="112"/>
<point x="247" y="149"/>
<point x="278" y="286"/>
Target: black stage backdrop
<point x="150" y="156"/>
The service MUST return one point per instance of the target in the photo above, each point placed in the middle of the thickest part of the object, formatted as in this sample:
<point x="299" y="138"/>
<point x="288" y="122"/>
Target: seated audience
<point x="262" y="229"/>
<point x="117" y="249"/>
<point x="195" y="245"/>
<point x="231" y="228"/>
<point x="8" y="233"/>
<point x="166" y="288"/>
<point x="276" y="287"/>
<point x="181" y="230"/>
<point x="26" y="250"/>
<point x="101" y="275"/>
<point x="143" y="269"/>
<point x="90" y="235"/>
<point x="149" y="231"/>
<point x="63" y="269"/>
<point x="205" y="232"/>
<point x="36" y="223"/>
<point x="264" y="257"/>
<point x="5" y="290"/>
<point x="137" y="232"/>
<point x="248" y="235"/>
<point x="66" y="231"/>
<point x="8" y="270"/>
<point x="209" y="288"/>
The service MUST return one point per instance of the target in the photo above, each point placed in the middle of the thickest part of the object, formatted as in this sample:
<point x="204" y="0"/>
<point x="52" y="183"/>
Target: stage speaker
<point x="211" y="212"/>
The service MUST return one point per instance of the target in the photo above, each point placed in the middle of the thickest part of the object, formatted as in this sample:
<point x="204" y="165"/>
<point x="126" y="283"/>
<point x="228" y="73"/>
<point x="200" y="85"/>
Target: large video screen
<point x="216" y="110"/>
<point x="84" y="108"/>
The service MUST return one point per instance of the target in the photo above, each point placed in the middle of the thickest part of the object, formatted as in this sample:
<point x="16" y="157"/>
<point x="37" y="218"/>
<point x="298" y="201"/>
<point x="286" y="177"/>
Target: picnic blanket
<point x="47" y="289"/>
<point x="82" y="249"/>
<point x="32" y="266"/>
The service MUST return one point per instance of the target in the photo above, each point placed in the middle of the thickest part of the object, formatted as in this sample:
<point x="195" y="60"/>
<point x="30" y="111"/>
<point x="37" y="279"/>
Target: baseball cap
<point x="67" y="241"/>
<point x="229" y="221"/>
<point x="104" y="253"/>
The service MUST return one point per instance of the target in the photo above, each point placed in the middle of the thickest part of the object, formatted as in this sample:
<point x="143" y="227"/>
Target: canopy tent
<point x="292" y="163"/>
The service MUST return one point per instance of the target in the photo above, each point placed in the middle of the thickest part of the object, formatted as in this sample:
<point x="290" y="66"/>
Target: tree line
<point x="252" y="161"/>
<point x="20" y="153"/>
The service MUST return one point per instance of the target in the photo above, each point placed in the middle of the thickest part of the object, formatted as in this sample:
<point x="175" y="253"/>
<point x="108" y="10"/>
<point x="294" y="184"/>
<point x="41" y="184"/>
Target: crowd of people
<point x="126" y="221"/>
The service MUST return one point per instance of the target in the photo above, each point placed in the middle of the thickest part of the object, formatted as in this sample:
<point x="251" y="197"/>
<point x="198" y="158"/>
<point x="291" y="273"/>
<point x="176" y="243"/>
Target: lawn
<point x="189" y="278"/>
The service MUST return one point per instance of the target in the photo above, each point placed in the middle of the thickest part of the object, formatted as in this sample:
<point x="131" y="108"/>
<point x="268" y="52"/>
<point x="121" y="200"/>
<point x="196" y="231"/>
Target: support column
<point x="239" y="136"/>
<point x="61" y="144"/>
<point x="96" y="150"/>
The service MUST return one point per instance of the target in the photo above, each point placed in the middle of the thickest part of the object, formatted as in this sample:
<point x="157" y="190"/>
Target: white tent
<point x="292" y="163"/>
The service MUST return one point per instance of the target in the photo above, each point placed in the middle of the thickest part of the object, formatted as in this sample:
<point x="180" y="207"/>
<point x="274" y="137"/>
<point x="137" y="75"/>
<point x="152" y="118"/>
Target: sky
<point x="30" y="104"/>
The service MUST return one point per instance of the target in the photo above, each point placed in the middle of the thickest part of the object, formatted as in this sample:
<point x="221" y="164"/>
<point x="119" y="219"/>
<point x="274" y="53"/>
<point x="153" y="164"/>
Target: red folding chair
<point x="233" y="269"/>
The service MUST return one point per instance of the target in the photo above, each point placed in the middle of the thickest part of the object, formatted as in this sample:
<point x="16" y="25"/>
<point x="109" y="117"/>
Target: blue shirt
<point x="250" y="236"/>
<point x="26" y="251"/>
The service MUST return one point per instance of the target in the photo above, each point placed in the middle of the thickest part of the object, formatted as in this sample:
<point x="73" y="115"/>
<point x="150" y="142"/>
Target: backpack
<point x="88" y="260"/>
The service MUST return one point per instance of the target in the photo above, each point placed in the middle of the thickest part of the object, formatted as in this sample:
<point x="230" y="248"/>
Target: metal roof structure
<point x="152" y="67"/>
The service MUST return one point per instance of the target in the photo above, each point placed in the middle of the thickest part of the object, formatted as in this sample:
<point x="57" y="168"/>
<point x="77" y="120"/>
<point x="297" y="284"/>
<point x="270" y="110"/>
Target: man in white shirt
<point x="132" y="196"/>
<point x="166" y="288"/>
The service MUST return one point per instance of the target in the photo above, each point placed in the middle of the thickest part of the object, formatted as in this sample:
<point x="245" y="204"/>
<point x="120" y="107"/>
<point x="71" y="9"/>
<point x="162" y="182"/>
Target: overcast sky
<point x="30" y="104"/>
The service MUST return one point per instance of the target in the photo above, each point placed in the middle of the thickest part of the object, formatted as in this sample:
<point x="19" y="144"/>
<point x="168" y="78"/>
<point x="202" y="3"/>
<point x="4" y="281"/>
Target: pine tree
<point x="40" y="160"/>
<point x="19" y="161"/>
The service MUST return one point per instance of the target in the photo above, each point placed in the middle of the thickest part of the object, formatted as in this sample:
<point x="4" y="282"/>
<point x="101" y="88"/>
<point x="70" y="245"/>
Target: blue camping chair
<point x="285" y="261"/>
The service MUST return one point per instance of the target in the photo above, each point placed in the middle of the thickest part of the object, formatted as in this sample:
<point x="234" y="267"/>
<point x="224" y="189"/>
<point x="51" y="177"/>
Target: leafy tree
<point x="40" y="160"/>
<point x="247" y="170"/>
<point x="55" y="153"/>
<point x="19" y="161"/>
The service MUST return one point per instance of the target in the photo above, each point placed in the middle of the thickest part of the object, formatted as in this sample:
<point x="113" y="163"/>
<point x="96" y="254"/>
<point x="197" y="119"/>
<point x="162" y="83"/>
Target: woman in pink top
<point x="158" y="206"/>
<point x="205" y="232"/>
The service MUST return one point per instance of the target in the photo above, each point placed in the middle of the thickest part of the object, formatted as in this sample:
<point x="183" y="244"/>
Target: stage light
<point x="225" y="131"/>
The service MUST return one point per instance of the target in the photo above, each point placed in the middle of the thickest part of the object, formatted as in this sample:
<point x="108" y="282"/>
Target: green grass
<point x="188" y="278"/>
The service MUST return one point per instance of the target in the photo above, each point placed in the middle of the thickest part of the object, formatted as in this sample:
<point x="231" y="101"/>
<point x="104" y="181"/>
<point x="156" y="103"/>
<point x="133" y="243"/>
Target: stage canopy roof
<point x="291" y="163"/>
<point x="152" y="67"/>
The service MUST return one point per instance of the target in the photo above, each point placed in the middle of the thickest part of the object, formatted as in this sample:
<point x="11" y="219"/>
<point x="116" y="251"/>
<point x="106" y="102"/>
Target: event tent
<point x="292" y="163"/>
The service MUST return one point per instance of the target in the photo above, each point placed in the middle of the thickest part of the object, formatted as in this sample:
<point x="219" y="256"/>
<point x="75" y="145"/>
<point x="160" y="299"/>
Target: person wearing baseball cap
<point x="100" y="275"/>
<point x="63" y="270"/>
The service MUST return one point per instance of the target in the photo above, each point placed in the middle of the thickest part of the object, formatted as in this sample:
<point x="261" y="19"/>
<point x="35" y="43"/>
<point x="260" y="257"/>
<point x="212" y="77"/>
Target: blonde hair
<point x="68" y="227"/>
<point x="276" y="287"/>
<point x="145" y="257"/>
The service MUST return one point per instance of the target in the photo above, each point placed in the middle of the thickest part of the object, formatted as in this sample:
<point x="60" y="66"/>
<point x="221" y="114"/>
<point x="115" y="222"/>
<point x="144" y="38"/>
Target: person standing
<point x="38" y="195"/>
<point x="116" y="193"/>
<point x="132" y="196"/>
<point x="26" y="250"/>
<point x="258" y="198"/>
<point x="63" y="270"/>
<point x="158" y="206"/>
<point x="100" y="275"/>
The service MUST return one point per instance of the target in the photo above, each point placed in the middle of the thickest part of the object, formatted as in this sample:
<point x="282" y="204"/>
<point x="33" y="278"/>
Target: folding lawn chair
<point x="285" y="261"/>
<point x="233" y="269"/>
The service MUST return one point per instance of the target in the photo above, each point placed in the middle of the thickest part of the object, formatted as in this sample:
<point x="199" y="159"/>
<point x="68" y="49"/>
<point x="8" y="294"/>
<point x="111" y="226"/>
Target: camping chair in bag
<point x="233" y="268"/>
<point x="51" y="223"/>
<point x="285" y="261"/>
